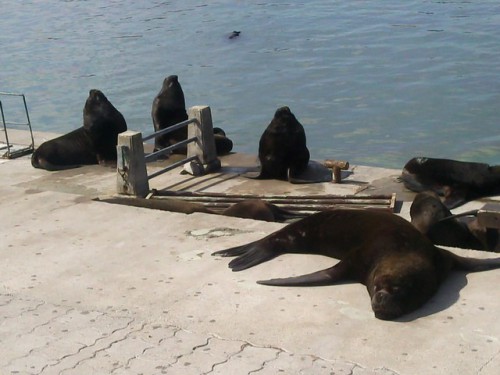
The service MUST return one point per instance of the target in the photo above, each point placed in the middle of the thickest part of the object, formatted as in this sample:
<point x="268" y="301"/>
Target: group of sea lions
<point x="169" y="108"/>
<point x="95" y="142"/>
<point x="398" y="261"/>
<point x="283" y="153"/>
<point x="444" y="184"/>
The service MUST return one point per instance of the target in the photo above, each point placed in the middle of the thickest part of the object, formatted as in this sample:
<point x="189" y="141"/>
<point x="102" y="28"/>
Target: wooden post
<point x="132" y="177"/>
<point x="204" y="148"/>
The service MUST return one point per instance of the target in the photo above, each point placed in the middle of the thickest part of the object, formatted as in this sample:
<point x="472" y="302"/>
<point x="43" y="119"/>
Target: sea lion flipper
<point x="471" y="264"/>
<point x="253" y="255"/>
<point x="248" y="255"/>
<point x="329" y="276"/>
<point x="232" y="252"/>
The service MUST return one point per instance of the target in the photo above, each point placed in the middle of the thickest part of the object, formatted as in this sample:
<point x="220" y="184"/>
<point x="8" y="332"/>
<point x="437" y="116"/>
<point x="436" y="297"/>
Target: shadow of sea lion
<point x="447" y="295"/>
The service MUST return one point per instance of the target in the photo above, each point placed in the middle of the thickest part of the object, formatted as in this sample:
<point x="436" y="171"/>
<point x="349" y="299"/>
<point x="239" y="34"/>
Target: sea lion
<point x="255" y="209"/>
<point x="428" y="215"/>
<point x="258" y="209"/>
<point x="282" y="147"/>
<point x="223" y="145"/>
<point x="457" y="181"/>
<point x="169" y="108"/>
<point x="93" y="143"/>
<point x="400" y="267"/>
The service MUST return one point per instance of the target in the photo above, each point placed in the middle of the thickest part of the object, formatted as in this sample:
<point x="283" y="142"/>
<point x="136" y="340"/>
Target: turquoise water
<point x="373" y="82"/>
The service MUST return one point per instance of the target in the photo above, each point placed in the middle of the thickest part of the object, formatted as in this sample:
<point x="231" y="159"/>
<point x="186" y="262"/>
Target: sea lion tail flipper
<point x="472" y="264"/>
<point x="248" y="255"/>
<point x="328" y="276"/>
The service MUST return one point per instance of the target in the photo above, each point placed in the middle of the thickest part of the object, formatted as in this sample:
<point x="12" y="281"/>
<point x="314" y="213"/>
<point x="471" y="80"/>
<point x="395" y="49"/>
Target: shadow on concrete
<point x="446" y="296"/>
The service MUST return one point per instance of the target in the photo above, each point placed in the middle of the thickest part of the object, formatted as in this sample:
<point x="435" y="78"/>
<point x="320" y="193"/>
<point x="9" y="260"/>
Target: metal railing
<point x="15" y="151"/>
<point x="167" y="150"/>
<point x="132" y="174"/>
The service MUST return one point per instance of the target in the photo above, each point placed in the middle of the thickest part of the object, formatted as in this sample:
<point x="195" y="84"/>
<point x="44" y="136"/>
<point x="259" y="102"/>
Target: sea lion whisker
<point x="462" y="214"/>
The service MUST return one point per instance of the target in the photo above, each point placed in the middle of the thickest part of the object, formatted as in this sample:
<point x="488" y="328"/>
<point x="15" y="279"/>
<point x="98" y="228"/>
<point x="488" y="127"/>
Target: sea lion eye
<point x="395" y="289"/>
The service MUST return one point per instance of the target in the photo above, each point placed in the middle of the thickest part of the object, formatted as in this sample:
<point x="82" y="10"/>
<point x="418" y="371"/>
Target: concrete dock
<point x="93" y="288"/>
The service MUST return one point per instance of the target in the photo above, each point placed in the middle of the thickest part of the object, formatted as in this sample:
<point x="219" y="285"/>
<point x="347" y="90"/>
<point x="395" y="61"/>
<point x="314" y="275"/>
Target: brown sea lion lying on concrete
<point x="400" y="267"/>
<point x="255" y="209"/>
<point x="93" y="143"/>
<point x="457" y="181"/>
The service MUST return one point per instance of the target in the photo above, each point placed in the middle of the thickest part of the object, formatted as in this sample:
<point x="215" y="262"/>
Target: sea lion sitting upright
<point x="93" y="143"/>
<point x="427" y="213"/>
<point x="457" y="181"/>
<point x="400" y="267"/>
<point x="169" y="108"/>
<point x="282" y="147"/>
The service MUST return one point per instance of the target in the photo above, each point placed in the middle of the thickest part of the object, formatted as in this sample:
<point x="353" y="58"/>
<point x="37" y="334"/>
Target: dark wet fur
<point x="400" y="267"/>
<point x="169" y="108"/>
<point x="457" y="181"/>
<point x="282" y="147"/>
<point x="93" y="143"/>
<point x="427" y="213"/>
<point x="248" y="256"/>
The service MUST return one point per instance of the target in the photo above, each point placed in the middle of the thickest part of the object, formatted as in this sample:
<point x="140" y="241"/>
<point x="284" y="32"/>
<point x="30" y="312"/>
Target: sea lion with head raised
<point x="168" y="109"/>
<point x="457" y="181"/>
<point x="400" y="267"/>
<point x="93" y="143"/>
<point x="428" y="215"/>
<point x="282" y="147"/>
<point x="431" y="217"/>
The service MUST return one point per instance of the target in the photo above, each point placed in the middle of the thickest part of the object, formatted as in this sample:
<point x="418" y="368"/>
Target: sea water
<point x="373" y="82"/>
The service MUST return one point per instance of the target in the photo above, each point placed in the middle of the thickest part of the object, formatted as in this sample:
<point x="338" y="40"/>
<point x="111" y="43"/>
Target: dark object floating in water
<point x="234" y="34"/>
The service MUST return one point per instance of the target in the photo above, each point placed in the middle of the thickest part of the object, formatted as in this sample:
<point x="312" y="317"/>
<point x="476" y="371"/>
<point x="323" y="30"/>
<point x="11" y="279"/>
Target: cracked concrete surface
<point x="92" y="288"/>
<point x="44" y="338"/>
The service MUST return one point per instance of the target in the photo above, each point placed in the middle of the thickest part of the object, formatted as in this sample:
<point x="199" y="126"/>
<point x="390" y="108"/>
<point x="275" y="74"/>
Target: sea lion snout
<point x="384" y="304"/>
<point x="285" y="110"/>
<point x="96" y="95"/>
<point x="171" y="80"/>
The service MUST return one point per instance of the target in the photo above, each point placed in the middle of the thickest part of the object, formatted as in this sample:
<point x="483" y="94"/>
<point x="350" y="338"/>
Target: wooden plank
<point x="298" y="204"/>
